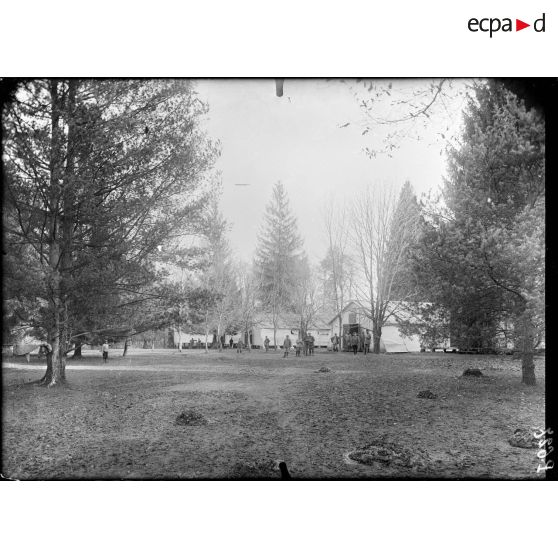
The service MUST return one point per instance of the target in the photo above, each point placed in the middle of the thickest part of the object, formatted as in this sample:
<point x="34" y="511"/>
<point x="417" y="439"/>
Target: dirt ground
<point x="117" y="421"/>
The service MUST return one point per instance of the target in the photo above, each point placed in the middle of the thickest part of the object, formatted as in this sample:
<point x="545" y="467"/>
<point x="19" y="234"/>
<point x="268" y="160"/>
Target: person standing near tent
<point x="311" y="344"/>
<point x="105" y="349"/>
<point x="307" y="344"/>
<point x="231" y="342"/>
<point x="266" y="343"/>
<point x="367" y="341"/>
<point x="239" y="346"/>
<point x="354" y="343"/>
<point x="287" y="344"/>
<point x="335" y="343"/>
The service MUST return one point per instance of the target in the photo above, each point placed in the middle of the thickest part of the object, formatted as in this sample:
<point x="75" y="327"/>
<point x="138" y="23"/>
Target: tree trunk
<point x="527" y="360"/>
<point x="77" y="350"/>
<point x="126" y="343"/>
<point x="56" y="369"/>
<point x="219" y="343"/>
<point x="206" y="333"/>
<point x="56" y="359"/>
<point x="341" y="338"/>
<point x="376" y="336"/>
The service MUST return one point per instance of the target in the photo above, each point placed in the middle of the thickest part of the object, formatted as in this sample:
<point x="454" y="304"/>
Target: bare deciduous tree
<point x="338" y="263"/>
<point x="247" y="303"/>
<point x="308" y="299"/>
<point x="383" y="229"/>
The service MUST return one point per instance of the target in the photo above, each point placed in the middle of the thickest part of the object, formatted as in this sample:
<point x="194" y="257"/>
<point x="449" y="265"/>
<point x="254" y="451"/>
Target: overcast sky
<point x="299" y="140"/>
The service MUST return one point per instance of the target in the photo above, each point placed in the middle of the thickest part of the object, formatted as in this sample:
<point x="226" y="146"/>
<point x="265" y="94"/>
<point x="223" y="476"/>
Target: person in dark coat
<point x="354" y="343"/>
<point x="307" y="344"/>
<point x="287" y="344"/>
<point x="335" y="343"/>
<point x="361" y="337"/>
<point x="311" y="342"/>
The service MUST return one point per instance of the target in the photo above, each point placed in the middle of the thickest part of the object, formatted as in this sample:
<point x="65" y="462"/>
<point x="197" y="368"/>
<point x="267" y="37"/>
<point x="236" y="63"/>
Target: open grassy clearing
<point x="118" y="420"/>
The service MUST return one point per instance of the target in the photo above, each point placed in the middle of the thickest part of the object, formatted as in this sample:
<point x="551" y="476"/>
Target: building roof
<point x="358" y="306"/>
<point x="289" y="321"/>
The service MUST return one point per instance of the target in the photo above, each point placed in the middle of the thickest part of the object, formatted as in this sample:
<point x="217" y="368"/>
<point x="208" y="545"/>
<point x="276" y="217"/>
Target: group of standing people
<point x="305" y="345"/>
<point x="354" y="342"/>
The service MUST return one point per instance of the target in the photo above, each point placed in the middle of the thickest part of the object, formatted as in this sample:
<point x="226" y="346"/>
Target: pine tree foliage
<point x="481" y="257"/>
<point x="220" y="275"/>
<point x="278" y="254"/>
<point x="98" y="174"/>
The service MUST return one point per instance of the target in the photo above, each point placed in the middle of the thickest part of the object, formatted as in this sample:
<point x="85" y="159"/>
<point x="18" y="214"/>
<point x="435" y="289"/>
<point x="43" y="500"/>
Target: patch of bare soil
<point x="190" y="418"/>
<point x="391" y="454"/>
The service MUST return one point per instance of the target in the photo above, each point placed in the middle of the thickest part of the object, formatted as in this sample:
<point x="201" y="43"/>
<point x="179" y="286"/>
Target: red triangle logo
<point x="519" y="25"/>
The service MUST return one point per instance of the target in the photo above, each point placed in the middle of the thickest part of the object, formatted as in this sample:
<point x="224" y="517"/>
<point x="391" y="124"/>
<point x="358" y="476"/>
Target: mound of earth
<point x="427" y="394"/>
<point x="324" y="369"/>
<point x="472" y="372"/>
<point x="190" y="418"/>
<point x="523" y="438"/>
<point x="388" y="453"/>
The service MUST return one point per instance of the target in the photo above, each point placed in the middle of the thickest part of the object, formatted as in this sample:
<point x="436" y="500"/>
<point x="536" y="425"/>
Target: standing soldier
<point x="311" y="344"/>
<point x="105" y="349"/>
<point x="299" y="346"/>
<point x="231" y="342"/>
<point x="266" y="343"/>
<point x="367" y="340"/>
<point x="287" y="346"/>
<point x="239" y="346"/>
<point x="306" y="344"/>
<point x="354" y="343"/>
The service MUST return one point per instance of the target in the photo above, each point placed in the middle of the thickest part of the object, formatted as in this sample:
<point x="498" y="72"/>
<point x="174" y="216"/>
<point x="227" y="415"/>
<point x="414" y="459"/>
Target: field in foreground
<point x="118" y="420"/>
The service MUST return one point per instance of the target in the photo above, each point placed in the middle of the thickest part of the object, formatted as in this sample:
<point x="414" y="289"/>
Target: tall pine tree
<point x="278" y="255"/>
<point x="98" y="174"/>
<point x="481" y="257"/>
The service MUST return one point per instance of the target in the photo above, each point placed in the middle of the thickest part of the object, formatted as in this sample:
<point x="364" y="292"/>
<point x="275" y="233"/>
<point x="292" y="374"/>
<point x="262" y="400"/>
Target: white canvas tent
<point x="393" y="342"/>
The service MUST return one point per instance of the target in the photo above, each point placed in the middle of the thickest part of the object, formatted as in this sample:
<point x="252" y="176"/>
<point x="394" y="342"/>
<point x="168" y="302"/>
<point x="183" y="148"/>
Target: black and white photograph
<point x="274" y="279"/>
